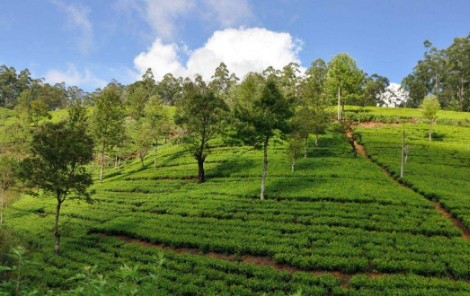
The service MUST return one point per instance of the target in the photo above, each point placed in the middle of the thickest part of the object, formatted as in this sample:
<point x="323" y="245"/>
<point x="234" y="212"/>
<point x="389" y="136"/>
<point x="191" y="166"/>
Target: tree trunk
<point x="339" y="104"/>
<point x="265" y="168"/>
<point x="102" y="162"/>
<point x="306" y="148"/>
<point x="56" y="226"/>
<point x="141" y="156"/>
<point x="2" y="205"/>
<point x="200" y="164"/>
<point x="18" y="276"/>
<point x="293" y="164"/>
<point x="430" y="131"/>
<point x="402" y="169"/>
<point x="116" y="162"/>
<point x="316" y="140"/>
<point x="155" y="157"/>
<point x="461" y="93"/>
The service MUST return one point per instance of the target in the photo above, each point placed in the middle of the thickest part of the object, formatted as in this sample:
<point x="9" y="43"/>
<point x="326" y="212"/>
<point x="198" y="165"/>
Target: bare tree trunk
<point x="265" y="168"/>
<point x="2" y="206"/>
<point x="18" y="276"/>
<point x="339" y="103"/>
<point x="141" y="156"/>
<point x="430" y="131"/>
<point x="56" y="226"/>
<point x="102" y="162"/>
<point x="461" y="93"/>
<point x="155" y="157"/>
<point x="200" y="164"/>
<point x="293" y="164"/>
<point x="116" y="162"/>
<point x="402" y="169"/>
<point x="316" y="140"/>
<point x="306" y="148"/>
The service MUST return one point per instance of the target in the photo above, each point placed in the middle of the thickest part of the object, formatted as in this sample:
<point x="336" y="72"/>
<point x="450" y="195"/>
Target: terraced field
<point x="438" y="170"/>
<point x="335" y="226"/>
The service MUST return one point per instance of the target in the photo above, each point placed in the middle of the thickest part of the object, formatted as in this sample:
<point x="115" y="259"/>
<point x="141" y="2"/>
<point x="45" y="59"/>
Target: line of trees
<point x="444" y="73"/>
<point x="121" y="122"/>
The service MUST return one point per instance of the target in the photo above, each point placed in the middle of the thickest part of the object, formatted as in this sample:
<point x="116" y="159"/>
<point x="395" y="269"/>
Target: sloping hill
<point x="337" y="225"/>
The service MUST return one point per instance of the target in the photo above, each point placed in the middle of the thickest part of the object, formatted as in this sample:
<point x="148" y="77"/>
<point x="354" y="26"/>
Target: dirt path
<point x="256" y="260"/>
<point x="437" y="205"/>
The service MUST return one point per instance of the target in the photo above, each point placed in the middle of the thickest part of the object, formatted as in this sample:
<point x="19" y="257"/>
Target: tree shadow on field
<point x="234" y="164"/>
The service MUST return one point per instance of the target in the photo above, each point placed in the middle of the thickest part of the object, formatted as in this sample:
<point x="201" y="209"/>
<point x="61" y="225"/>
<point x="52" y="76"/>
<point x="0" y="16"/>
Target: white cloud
<point x="242" y="50"/>
<point x="165" y="16"/>
<point x="394" y="95"/>
<point x="77" y="17"/>
<point x="73" y="77"/>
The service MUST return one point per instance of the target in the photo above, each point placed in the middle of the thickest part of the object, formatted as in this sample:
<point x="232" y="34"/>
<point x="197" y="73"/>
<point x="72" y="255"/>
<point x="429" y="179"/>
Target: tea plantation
<point x="336" y="226"/>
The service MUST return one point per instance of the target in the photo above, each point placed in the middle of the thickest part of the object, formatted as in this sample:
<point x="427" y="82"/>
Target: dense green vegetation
<point x="118" y="192"/>
<point x="346" y="217"/>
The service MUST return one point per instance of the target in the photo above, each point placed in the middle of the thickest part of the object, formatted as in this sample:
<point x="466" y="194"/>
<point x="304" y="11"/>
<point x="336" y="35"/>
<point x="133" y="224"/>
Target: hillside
<point x="336" y="226"/>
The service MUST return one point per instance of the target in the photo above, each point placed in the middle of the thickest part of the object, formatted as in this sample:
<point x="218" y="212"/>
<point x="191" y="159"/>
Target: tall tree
<point x="56" y="165"/>
<point x="430" y="107"/>
<point x="202" y="115"/>
<point x="136" y="100"/>
<point x="157" y="117"/>
<point x="261" y="116"/>
<point x="140" y="134"/>
<point x="169" y="89"/>
<point x="344" y="79"/>
<point x="107" y="121"/>
<point x="375" y="86"/>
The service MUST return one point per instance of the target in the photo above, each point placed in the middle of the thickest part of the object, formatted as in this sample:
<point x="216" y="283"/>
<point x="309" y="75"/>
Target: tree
<point x="260" y="117"/>
<point x="39" y="112"/>
<point x="169" y="89"/>
<point x="140" y="134"/>
<point x="107" y="121"/>
<point x="77" y="113"/>
<point x="313" y="97"/>
<point x="314" y="84"/>
<point x="375" y="86"/>
<point x="202" y="115"/>
<point x="294" y="147"/>
<point x="157" y="117"/>
<point x="136" y="100"/>
<point x="8" y="166"/>
<point x="56" y="165"/>
<point x="344" y="79"/>
<point x="430" y="107"/>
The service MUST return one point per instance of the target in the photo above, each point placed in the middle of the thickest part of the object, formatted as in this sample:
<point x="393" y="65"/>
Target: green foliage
<point x="201" y="114"/>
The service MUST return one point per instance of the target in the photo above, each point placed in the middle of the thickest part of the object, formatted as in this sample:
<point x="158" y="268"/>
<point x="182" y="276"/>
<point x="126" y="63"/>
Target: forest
<point x="290" y="181"/>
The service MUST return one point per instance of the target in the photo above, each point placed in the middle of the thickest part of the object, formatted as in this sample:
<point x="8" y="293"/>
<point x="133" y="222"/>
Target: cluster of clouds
<point x="242" y="50"/>
<point x="241" y="47"/>
<point x="394" y="95"/>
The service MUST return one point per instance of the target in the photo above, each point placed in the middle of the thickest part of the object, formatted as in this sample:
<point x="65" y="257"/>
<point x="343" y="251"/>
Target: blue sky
<point x="88" y="43"/>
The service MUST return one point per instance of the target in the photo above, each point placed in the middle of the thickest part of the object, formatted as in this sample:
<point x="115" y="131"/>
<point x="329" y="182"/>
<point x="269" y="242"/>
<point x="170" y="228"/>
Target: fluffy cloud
<point x="77" y="18"/>
<point x="73" y="77"/>
<point x="394" y="95"/>
<point x="242" y="50"/>
<point x="164" y="16"/>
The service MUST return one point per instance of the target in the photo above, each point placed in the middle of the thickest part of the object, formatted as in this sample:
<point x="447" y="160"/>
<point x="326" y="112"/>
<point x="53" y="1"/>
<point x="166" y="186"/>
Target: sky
<point x="88" y="43"/>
